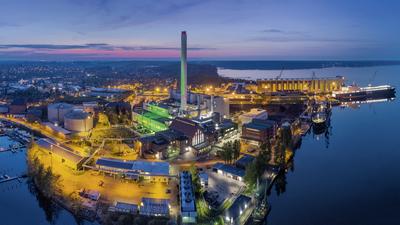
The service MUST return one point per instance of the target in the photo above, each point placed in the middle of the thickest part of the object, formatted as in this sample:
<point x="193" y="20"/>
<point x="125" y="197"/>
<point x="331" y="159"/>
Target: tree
<point x="195" y="179"/>
<point x="227" y="152"/>
<point x="236" y="149"/>
<point x="251" y="174"/>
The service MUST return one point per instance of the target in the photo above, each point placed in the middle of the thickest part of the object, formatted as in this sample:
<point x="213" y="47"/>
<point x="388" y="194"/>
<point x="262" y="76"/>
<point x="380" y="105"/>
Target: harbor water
<point x="349" y="176"/>
<point x="20" y="203"/>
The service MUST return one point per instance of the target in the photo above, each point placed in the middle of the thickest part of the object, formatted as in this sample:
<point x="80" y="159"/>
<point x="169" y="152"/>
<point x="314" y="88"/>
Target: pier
<point x="13" y="148"/>
<point x="8" y="179"/>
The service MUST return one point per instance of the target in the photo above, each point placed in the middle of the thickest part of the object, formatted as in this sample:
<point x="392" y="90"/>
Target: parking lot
<point x="221" y="187"/>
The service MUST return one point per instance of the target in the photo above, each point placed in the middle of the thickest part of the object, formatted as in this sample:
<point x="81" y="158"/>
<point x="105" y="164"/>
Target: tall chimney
<point x="183" y="72"/>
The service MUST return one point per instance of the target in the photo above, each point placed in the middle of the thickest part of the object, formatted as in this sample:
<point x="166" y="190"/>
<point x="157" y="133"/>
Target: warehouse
<point x="61" y="153"/>
<point x="229" y="171"/>
<point x="150" y="171"/>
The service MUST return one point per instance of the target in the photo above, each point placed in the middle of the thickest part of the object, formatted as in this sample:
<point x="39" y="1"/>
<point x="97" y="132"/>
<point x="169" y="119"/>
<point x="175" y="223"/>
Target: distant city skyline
<point x="236" y="29"/>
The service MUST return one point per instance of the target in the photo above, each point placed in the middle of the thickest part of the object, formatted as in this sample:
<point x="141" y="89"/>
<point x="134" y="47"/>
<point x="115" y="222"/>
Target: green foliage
<point x="45" y="179"/>
<point x="195" y="179"/>
<point x="230" y="151"/>
<point x="257" y="167"/>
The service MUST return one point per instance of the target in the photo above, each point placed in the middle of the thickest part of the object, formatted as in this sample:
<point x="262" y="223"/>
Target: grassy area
<point x="112" y="132"/>
<point x="113" y="149"/>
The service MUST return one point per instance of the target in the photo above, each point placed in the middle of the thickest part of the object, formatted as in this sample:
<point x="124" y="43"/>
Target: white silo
<point x="57" y="111"/>
<point x="78" y="120"/>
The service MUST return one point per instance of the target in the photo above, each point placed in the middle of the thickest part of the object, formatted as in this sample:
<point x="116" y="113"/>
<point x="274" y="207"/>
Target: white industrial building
<point x="78" y="120"/>
<point x="218" y="104"/>
<point x="57" y="111"/>
<point x="253" y="114"/>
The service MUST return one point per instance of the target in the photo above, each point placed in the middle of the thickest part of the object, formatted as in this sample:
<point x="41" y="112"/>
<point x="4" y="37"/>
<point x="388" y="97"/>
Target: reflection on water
<point x="20" y="202"/>
<point x="326" y="184"/>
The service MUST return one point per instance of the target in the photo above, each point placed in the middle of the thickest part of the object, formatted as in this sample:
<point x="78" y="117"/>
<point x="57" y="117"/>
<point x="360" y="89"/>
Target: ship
<point x="355" y="93"/>
<point x="320" y="117"/>
<point x="260" y="212"/>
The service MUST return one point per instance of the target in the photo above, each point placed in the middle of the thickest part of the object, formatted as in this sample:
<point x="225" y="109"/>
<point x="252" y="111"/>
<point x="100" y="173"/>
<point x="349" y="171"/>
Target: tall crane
<point x="280" y="74"/>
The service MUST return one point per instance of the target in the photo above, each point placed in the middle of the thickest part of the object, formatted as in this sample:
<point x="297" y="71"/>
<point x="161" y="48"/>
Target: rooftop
<point x="186" y="192"/>
<point x="141" y="166"/>
<point x="238" y="207"/>
<point x="254" y="112"/>
<point x="60" y="150"/>
<point x="154" y="116"/>
<point x="60" y="105"/>
<point x="186" y="126"/>
<point x="229" y="169"/>
<point x="154" y="206"/>
<point x="245" y="160"/>
<point x="260" y="124"/>
<point x="77" y="115"/>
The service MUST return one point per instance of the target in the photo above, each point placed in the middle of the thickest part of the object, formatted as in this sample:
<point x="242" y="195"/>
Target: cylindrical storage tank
<point x="57" y="111"/>
<point x="78" y="120"/>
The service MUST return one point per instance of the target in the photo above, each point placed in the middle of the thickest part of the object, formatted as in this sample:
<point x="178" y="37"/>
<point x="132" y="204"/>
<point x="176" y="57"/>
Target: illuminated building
<point x="154" y="207"/>
<point x="229" y="171"/>
<point x="253" y="114"/>
<point x="78" y="120"/>
<point x="258" y="131"/>
<point x="151" y="171"/>
<point x="57" y="111"/>
<point x="153" y="117"/>
<point x="61" y="154"/>
<point x="192" y="130"/>
<point x="315" y="85"/>
<point x="236" y="210"/>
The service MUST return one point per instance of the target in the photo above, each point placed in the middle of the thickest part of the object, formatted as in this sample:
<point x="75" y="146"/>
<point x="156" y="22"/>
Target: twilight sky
<point x="217" y="29"/>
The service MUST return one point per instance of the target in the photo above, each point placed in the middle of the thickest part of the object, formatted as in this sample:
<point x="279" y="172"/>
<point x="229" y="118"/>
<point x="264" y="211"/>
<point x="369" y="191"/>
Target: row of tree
<point x="256" y="169"/>
<point x="44" y="178"/>
<point x="230" y="151"/>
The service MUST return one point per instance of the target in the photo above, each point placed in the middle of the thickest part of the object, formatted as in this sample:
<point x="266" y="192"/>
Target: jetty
<point x="13" y="148"/>
<point x="5" y="178"/>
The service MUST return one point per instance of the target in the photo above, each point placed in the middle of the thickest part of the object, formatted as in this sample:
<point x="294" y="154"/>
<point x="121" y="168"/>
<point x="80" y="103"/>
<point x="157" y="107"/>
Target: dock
<point x="13" y="148"/>
<point x="8" y="179"/>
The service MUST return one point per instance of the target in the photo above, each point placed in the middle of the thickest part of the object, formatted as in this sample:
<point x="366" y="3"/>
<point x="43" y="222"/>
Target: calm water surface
<point x="354" y="178"/>
<point x="20" y="204"/>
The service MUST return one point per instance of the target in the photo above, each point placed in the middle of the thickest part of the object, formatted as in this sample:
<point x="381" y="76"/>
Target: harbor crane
<point x="280" y="74"/>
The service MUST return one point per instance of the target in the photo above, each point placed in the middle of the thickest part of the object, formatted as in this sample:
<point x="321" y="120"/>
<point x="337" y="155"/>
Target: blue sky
<point x="217" y="29"/>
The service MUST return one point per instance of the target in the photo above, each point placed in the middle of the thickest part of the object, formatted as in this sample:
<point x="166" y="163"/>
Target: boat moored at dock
<point x="354" y="93"/>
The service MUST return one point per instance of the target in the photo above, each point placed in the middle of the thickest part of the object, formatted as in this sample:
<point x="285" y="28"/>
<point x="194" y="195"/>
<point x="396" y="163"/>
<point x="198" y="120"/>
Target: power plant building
<point x="78" y="121"/>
